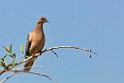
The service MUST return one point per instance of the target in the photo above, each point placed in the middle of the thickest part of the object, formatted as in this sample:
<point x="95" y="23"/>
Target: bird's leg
<point x="33" y="55"/>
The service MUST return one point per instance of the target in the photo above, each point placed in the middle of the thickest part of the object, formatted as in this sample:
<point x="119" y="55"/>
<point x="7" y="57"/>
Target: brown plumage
<point x="35" y="42"/>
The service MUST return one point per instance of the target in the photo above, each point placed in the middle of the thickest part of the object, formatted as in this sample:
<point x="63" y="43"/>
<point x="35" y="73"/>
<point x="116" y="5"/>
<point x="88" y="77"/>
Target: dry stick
<point x="48" y="49"/>
<point x="7" y="77"/>
<point x="75" y="47"/>
<point x="42" y="74"/>
<point x="42" y="67"/>
<point x="36" y="73"/>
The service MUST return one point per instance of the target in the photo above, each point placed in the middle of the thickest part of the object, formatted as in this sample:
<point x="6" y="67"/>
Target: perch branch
<point x="75" y="47"/>
<point x="48" y="49"/>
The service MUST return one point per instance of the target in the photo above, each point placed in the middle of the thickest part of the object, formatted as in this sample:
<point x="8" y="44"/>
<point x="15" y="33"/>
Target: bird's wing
<point x="28" y="45"/>
<point x="28" y="64"/>
<point x="35" y="43"/>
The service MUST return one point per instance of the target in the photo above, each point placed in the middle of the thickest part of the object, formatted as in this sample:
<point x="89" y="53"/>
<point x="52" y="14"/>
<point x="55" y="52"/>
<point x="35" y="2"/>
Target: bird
<point x="35" y="42"/>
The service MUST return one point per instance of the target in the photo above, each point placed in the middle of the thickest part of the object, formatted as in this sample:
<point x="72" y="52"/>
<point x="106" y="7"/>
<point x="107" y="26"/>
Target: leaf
<point x="3" y="64"/>
<point x="4" y="56"/>
<point x="13" y="56"/>
<point x="22" y="48"/>
<point x="12" y="61"/>
<point x="26" y="56"/>
<point x="2" y="59"/>
<point x="10" y="64"/>
<point x="7" y="49"/>
<point x="0" y="63"/>
<point x="10" y="48"/>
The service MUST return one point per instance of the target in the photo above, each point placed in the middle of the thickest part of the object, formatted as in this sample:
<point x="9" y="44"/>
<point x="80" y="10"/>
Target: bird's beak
<point x="47" y="21"/>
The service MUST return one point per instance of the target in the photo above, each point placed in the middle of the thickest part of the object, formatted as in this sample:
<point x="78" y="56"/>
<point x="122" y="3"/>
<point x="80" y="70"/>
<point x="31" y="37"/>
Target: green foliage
<point x="11" y="55"/>
<point x="2" y="61"/>
<point x="8" y="49"/>
<point x="22" y="48"/>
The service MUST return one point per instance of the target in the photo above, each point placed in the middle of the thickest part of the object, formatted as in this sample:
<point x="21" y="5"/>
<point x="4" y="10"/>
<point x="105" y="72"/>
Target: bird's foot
<point x="40" y="52"/>
<point x="33" y="55"/>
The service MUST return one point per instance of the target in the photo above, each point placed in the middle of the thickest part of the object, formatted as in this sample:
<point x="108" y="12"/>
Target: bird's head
<point x="41" y="20"/>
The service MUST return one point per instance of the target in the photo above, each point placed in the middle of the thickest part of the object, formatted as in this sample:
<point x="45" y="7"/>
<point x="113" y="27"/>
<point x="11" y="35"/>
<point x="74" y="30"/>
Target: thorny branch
<point x="48" y="49"/>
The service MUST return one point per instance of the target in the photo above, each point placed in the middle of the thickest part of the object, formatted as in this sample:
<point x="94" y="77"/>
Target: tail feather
<point x="28" y="65"/>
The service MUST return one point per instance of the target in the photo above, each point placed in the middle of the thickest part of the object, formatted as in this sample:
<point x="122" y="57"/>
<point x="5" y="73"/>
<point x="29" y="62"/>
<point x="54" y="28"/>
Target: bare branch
<point x="42" y="74"/>
<point x="36" y="73"/>
<point x="48" y="49"/>
<point x="75" y="47"/>
<point x="13" y="73"/>
<point x="31" y="72"/>
<point x="37" y="67"/>
<point x="41" y="67"/>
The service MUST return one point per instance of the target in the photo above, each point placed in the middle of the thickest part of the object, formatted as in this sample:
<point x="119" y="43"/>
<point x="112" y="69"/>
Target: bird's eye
<point x="43" y="19"/>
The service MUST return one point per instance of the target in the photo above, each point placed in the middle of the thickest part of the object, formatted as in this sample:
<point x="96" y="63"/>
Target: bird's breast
<point x="38" y="42"/>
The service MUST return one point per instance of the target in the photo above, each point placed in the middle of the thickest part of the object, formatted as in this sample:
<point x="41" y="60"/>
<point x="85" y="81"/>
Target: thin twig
<point x="36" y="73"/>
<point x="42" y="74"/>
<point x="7" y="77"/>
<point x="75" y="47"/>
<point x="37" y="67"/>
<point x="55" y="53"/>
<point x="41" y="67"/>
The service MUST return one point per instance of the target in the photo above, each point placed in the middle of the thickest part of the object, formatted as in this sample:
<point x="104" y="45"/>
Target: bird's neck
<point x="39" y="26"/>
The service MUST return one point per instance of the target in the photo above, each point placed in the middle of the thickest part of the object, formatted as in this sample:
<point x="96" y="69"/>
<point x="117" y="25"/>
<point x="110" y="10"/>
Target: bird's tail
<point x="28" y="64"/>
